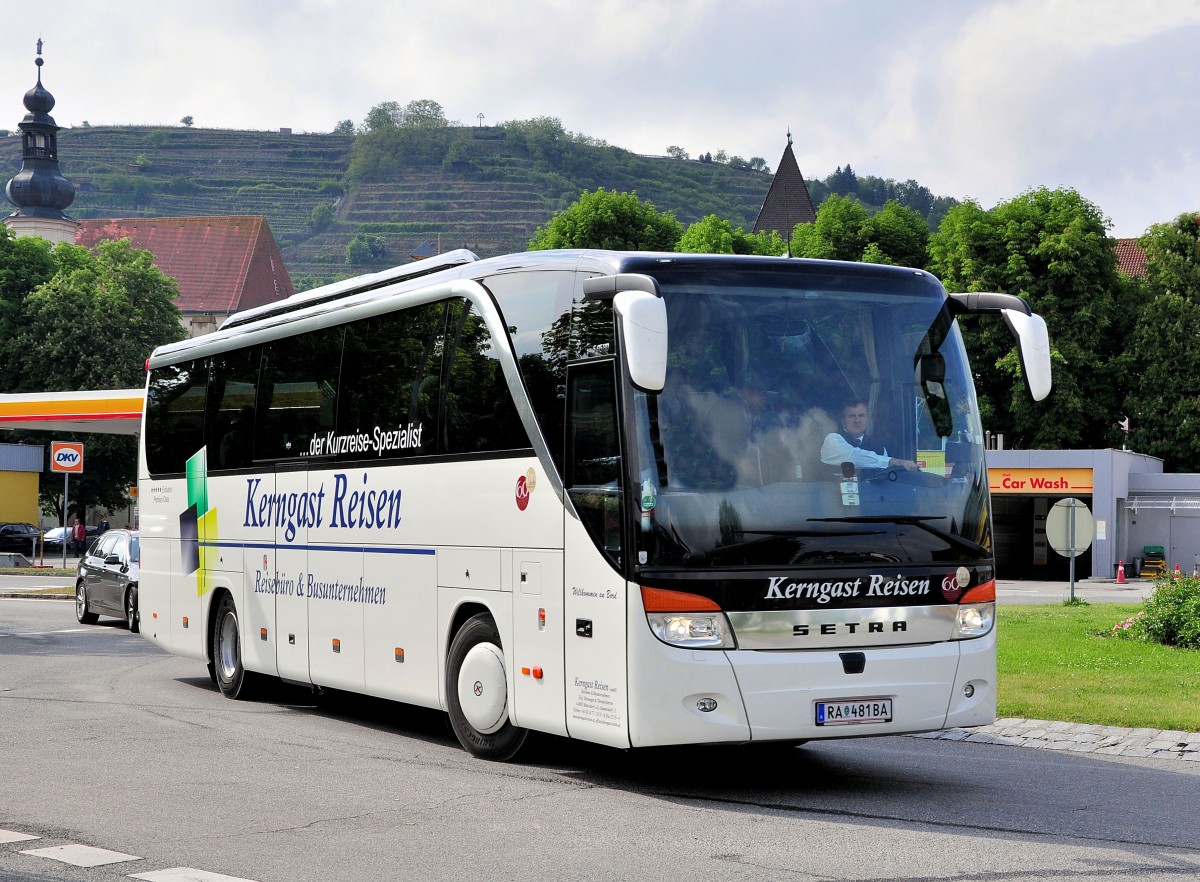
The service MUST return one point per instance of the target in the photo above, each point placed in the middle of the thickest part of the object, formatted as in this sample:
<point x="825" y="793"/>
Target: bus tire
<point x="233" y="679"/>
<point x="477" y="692"/>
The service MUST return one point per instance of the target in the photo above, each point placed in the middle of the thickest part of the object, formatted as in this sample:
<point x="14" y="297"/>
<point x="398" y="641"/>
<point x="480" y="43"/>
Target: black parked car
<point x="18" y="538"/>
<point x="107" y="579"/>
<point x="52" y="540"/>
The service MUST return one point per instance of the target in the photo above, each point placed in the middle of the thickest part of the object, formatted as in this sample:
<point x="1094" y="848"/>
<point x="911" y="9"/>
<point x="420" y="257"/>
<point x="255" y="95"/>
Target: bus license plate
<point x="851" y="711"/>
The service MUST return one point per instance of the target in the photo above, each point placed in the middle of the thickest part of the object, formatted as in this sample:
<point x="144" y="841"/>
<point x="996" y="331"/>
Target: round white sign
<point x="1059" y="533"/>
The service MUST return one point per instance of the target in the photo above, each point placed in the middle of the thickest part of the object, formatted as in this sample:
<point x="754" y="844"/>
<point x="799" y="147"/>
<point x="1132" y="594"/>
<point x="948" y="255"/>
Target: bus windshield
<point x="808" y="419"/>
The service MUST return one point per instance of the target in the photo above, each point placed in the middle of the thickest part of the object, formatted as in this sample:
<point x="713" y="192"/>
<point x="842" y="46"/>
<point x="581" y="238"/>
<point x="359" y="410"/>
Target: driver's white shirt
<point x="837" y="450"/>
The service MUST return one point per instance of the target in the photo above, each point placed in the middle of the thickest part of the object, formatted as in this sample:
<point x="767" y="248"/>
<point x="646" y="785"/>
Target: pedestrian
<point x="104" y="524"/>
<point x="78" y="537"/>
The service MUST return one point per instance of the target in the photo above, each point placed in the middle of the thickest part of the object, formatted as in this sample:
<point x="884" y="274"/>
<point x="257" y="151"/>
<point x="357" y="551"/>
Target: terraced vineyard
<point x="488" y="194"/>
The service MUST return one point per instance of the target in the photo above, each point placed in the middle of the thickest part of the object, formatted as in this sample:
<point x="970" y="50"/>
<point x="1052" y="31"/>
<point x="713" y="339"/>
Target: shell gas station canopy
<point x="109" y="411"/>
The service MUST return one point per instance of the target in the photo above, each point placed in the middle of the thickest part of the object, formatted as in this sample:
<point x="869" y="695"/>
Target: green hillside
<point x="487" y="189"/>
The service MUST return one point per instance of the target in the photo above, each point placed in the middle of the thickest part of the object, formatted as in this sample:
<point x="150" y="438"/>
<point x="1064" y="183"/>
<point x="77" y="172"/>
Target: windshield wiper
<point x="917" y="521"/>
<point x="766" y="538"/>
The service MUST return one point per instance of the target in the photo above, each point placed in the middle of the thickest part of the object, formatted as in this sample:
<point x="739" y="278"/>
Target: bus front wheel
<point x="478" y="692"/>
<point x="232" y="677"/>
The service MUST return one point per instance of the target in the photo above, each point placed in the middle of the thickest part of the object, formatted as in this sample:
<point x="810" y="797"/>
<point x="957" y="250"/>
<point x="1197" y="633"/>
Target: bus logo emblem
<point x="950" y="588"/>
<point x="522" y="493"/>
<point x="478" y="688"/>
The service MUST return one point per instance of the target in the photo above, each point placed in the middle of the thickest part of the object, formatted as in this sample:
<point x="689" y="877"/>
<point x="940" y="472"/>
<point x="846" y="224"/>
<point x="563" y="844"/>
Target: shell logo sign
<point x="66" y="456"/>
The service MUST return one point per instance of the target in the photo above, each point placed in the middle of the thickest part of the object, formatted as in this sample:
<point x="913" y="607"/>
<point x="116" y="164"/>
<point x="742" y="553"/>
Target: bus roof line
<point x="356" y="285"/>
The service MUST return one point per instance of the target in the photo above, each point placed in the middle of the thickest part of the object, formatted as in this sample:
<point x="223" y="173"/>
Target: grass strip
<point x="1060" y="663"/>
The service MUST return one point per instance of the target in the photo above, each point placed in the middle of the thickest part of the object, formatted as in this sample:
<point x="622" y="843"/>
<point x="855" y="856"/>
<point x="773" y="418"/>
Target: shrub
<point x="1171" y="615"/>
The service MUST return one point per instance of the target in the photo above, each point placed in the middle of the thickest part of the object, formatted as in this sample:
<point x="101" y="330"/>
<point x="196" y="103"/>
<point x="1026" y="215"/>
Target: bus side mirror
<point x="1033" y="347"/>
<point x="642" y="318"/>
<point x="1033" y="340"/>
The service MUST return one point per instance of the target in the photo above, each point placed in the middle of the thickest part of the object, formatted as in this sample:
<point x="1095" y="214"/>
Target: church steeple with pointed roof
<point x="39" y="190"/>
<point x="787" y="202"/>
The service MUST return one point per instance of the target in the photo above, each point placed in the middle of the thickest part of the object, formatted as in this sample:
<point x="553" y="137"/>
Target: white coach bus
<point x="585" y="493"/>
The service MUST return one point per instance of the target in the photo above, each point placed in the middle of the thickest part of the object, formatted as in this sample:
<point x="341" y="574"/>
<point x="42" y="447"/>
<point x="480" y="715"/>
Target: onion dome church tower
<point x="39" y="190"/>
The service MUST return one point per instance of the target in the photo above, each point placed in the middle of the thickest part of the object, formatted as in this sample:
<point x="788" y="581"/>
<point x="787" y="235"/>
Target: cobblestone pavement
<point x="1081" y="738"/>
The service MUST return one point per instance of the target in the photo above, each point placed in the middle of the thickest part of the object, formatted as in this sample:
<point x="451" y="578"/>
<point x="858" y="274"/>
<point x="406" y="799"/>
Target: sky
<point x="980" y="99"/>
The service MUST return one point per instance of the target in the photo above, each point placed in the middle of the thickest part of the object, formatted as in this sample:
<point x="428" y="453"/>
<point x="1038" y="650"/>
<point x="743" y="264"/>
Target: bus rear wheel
<point x="478" y="692"/>
<point x="233" y="679"/>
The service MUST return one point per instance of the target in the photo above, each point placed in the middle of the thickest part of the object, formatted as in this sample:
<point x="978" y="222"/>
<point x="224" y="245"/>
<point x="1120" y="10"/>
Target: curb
<point x="1081" y="738"/>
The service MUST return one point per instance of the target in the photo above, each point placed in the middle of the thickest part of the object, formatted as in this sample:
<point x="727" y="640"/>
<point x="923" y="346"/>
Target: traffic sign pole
<point x="66" y="457"/>
<point x="66" y="486"/>
<point x="1074" y="550"/>
<point x="1069" y="529"/>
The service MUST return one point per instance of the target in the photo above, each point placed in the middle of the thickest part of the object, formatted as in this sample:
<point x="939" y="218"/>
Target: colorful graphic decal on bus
<point x="198" y="524"/>
<point x="525" y="487"/>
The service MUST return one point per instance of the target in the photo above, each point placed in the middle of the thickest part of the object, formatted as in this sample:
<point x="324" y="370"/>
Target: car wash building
<point x="1143" y="517"/>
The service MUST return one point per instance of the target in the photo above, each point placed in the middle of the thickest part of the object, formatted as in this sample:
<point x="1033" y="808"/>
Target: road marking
<point x="7" y="836"/>
<point x="82" y="855"/>
<point x="64" y="631"/>
<point x="186" y="874"/>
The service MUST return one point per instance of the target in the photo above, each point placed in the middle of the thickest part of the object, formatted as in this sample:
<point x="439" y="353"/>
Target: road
<point x="109" y="743"/>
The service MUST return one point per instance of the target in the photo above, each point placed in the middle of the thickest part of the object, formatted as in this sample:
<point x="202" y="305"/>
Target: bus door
<point x="538" y="636"/>
<point x="287" y="566"/>
<point x="594" y="589"/>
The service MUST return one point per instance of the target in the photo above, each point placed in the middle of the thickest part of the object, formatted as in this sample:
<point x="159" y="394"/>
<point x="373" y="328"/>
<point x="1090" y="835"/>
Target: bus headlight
<point x="686" y="620"/>
<point x="692" y="630"/>
<point x="974" y="620"/>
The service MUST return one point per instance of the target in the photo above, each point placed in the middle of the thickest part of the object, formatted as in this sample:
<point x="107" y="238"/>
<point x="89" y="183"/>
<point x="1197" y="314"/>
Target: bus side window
<point x="175" y="415"/>
<point x="479" y="413"/>
<point x="391" y="366"/>
<point x="229" y="420"/>
<point x="298" y="393"/>
<point x="593" y="455"/>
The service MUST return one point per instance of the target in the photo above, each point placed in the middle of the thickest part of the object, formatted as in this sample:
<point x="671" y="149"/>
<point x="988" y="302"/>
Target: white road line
<point x="82" y="855"/>
<point x="186" y="874"/>
<point x="7" y="836"/>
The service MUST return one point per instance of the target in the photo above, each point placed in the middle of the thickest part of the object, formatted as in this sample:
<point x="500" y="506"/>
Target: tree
<point x="837" y="232"/>
<point x="187" y="121"/>
<point x="385" y="115"/>
<point x="1163" y="403"/>
<point x="90" y="325"/>
<point x="608" y="219"/>
<point x="344" y="127"/>
<point x="364" y="248"/>
<point x="843" y="182"/>
<point x="897" y="235"/>
<point x="846" y="230"/>
<point x="322" y="217"/>
<point x="1050" y="247"/>
<point x="713" y="235"/>
<point x="676" y="152"/>
<point x="25" y="263"/>
<point x="543" y="136"/>
<point x="423" y="113"/>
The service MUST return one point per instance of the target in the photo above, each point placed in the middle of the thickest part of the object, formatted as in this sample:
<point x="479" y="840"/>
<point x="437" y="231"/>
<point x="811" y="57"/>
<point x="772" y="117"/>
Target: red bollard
<point x="1177" y="573"/>
<point x="1121" y="573"/>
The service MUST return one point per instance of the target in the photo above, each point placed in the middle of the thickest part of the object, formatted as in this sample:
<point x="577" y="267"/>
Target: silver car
<point x="107" y="579"/>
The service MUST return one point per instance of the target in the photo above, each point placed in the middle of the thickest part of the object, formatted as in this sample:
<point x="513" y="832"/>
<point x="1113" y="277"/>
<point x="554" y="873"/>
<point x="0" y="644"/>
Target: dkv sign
<point x="66" y="456"/>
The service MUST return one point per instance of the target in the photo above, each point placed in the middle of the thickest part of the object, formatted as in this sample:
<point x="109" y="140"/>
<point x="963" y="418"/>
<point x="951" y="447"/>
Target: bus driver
<point x="852" y="444"/>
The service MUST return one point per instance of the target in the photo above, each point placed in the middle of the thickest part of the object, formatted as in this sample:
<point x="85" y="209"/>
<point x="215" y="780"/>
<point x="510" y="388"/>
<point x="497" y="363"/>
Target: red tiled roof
<point x="788" y="202"/>
<point x="1131" y="259"/>
<point x="222" y="264"/>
